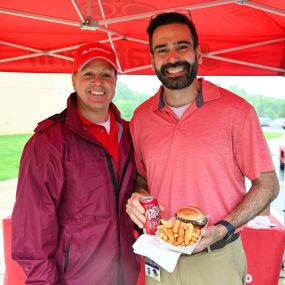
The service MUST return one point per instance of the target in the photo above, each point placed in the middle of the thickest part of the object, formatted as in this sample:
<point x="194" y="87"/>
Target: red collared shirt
<point x="109" y="141"/>
<point x="202" y="157"/>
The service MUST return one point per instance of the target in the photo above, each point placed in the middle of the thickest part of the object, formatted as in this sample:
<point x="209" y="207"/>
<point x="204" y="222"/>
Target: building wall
<point x="26" y="99"/>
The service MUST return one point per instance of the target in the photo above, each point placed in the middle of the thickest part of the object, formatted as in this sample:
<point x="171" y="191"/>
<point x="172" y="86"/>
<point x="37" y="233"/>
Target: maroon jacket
<point x="69" y="221"/>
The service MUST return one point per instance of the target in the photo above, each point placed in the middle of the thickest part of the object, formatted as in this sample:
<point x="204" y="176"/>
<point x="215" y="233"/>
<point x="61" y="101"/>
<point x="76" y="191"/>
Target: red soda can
<point x="152" y="214"/>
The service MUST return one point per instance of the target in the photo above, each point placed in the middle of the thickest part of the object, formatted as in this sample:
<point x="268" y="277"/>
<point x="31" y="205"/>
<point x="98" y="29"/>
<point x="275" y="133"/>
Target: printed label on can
<point x="152" y="214"/>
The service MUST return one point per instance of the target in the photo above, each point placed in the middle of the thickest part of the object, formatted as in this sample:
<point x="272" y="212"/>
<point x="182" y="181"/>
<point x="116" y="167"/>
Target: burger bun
<point x="191" y="215"/>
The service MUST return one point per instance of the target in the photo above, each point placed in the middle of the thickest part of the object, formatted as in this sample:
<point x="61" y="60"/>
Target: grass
<point x="11" y="147"/>
<point x="273" y="135"/>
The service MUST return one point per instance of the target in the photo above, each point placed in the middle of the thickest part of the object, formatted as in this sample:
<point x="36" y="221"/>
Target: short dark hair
<point x="171" y="18"/>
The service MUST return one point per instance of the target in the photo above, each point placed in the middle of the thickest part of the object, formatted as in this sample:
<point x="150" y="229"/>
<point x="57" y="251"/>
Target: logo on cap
<point x="93" y="49"/>
<point x="90" y="51"/>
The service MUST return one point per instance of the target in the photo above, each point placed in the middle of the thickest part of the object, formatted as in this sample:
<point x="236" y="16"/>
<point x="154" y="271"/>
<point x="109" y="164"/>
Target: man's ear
<point x="199" y="55"/>
<point x="73" y="80"/>
<point x="151" y="61"/>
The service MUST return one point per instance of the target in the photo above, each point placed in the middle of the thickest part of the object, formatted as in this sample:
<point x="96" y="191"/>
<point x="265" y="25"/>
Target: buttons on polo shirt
<point x="178" y="132"/>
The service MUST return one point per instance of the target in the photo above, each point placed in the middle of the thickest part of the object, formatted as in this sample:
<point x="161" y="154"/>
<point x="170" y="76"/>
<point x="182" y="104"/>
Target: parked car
<point x="264" y="121"/>
<point x="278" y="122"/>
<point x="282" y="153"/>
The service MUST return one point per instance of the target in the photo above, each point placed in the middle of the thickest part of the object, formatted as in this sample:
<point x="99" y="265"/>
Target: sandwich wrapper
<point x="150" y="246"/>
<point x="161" y="252"/>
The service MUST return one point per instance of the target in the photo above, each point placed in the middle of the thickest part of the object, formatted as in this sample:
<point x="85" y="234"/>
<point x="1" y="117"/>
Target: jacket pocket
<point x="67" y="255"/>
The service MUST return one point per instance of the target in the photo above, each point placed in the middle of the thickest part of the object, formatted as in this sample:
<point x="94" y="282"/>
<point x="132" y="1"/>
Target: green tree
<point x="282" y="109"/>
<point x="127" y="100"/>
<point x="264" y="106"/>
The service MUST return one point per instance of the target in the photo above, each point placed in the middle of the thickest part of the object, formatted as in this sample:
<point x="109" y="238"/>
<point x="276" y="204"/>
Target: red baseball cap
<point x="93" y="50"/>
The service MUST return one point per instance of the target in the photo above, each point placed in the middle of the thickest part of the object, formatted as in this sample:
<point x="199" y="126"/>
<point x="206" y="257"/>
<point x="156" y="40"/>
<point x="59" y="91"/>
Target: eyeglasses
<point x="184" y="12"/>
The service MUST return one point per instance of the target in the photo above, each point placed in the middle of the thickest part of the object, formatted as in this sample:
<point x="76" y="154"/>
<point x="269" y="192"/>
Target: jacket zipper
<point x="67" y="256"/>
<point x="114" y="181"/>
<point x="117" y="188"/>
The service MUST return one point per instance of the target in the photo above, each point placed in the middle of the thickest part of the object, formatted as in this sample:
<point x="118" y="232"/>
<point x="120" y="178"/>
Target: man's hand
<point x="210" y="235"/>
<point x="135" y="210"/>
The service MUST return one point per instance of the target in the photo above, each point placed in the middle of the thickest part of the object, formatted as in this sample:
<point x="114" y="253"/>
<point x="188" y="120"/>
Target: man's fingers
<point x="136" y="216"/>
<point x="161" y="207"/>
<point x="201" y="246"/>
<point x="138" y="220"/>
<point x="208" y="238"/>
<point x="135" y="210"/>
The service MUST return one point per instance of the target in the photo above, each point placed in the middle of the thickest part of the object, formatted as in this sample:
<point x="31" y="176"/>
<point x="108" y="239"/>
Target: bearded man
<point x="194" y="145"/>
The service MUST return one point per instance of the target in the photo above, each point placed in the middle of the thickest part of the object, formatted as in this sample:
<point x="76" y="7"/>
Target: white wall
<point x="26" y="99"/>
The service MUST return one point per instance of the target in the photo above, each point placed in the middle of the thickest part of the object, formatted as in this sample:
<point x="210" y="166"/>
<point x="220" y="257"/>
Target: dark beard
<point x="178" y="82"/>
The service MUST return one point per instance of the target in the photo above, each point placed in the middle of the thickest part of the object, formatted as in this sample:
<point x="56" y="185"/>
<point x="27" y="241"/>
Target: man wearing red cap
<point x="76" y="174"/>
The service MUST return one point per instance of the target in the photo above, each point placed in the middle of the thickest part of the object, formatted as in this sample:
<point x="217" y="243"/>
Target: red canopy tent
<point x="237" y="37"/>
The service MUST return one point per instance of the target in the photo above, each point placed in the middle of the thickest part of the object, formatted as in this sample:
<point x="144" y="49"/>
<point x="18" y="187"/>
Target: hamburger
<point x="185" y="230"/>
<point x="191" y="215"/>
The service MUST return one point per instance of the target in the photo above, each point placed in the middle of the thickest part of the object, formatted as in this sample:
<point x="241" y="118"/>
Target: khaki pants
<point x="225" y="266"/>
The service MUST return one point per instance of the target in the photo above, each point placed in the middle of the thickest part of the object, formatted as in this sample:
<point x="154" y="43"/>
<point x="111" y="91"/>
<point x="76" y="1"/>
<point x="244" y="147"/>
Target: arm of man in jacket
<point x="34" y="220"/>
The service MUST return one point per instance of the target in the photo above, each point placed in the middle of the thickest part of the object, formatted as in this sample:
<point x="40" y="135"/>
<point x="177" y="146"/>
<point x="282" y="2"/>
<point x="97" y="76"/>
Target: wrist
<point x="221" y="231"/>
<point x="225" y="228"/>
